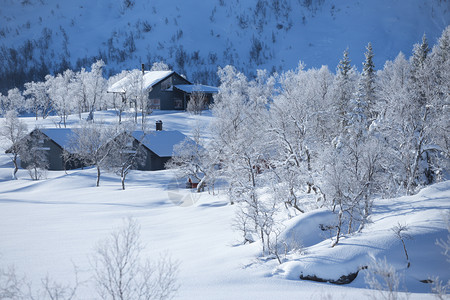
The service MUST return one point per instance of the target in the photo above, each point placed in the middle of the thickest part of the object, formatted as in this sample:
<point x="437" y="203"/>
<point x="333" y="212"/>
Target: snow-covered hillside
<point x="48" y="225"/>
<point x="38" y="37"/>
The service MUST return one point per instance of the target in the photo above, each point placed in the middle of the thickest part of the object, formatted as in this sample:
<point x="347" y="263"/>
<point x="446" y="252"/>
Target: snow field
<point x="48" y="226"/>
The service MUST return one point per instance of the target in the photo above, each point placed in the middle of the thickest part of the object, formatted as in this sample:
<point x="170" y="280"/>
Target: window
<point x="178" y="103"/>
<point x="155" y="103"/>
<point x="166" y="84"/>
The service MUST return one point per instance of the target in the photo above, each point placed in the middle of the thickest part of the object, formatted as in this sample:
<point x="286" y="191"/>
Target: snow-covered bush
<point x="120" y="271"/>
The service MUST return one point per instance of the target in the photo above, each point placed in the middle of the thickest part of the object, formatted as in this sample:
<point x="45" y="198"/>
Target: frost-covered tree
<point x="38" y="100"/>
<point x="396" y="122"/>
<point x="415" y="119"/>
<point x="384" y="278"/>
<point x="96" y="86"/>
<point x="117" y="101"/>
<point x="299" y="125"/>
<point x="125" y="152"/>
<point x="344" y="88"/>
<point x="235" y="128"/>
<point x="353" y="174"/>
<point x="241" y="144"/>
<point x="192" y="159"/>
<point x="353" y="161"/>
<point x="60" y="92"/>
<point x="90" y="143"/>
<point x="159" y="66"/>
<point x="88" y="88"/>
<point x="366" y="93"/>
<point x="393" y="81"/>
<point x="13" y="132"/>
<point x="78" y="91"/>
<point x="121" y="273"/>
<point x="440" y="77"/>
<point x="34" y="155"/>
<point x="13" y="101"/>
<point x="419" y="72"/>
<point x="196" y="103"/>
<point x="137" y="95"/>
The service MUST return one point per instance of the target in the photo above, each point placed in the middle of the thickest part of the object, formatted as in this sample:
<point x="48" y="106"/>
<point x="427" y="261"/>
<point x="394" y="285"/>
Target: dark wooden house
<point x="167" y="90"/>
<point x="158" y="147"/>
<point x="54" y="144"/>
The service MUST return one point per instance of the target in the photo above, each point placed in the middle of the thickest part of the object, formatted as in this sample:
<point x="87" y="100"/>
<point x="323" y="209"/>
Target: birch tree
<point x="137" y="93"/>
<point x="298" y="126"/>
<point x="241" y="144"/>
<point x="34" y="155"/>
<point x="90" y="144"/>
<point x="118" y="101"/>
<point x="14" y="100"/>
<point x="13" y="131"/>
<point x="125" y="153"/>
<point x="38" y="100"/>
<point x="88" y="88"/>
<point x="60" y="93"/>
<point x="121" y="272"/>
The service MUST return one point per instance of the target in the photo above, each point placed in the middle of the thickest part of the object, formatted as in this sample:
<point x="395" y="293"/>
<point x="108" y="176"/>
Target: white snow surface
<point x="47" y="226"/>
<point x="423" y="214"/>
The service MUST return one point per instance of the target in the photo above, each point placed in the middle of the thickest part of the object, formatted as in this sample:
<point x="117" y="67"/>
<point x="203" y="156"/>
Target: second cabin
<point x="167" y="90"/>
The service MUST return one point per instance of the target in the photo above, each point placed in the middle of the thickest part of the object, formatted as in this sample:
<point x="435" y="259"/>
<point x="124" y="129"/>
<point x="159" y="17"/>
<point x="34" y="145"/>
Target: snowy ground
<point x="47" y="226"/>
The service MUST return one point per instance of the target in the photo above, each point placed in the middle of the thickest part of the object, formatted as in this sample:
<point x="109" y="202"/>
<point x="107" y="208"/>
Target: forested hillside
<point x="40" y="37"/>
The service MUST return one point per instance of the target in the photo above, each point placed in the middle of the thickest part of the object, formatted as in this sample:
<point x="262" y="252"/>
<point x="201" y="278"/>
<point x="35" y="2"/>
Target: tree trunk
<point x="142" y="117"/>
<point x="98" y="175"/>
<point x="201" y="185"/>
<point x="338" y="234"/>
<point x="16" y="167"/>
<point x="122" y="178"/>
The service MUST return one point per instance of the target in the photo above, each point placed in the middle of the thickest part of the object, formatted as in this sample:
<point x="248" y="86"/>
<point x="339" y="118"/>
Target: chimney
<point x="143" y="69"/>
<point x="159" y="125"/>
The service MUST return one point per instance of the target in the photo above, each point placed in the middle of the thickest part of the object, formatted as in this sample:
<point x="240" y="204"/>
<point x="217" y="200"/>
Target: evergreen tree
<point x="344" y="66"/>
<point x="344" y="86"/>
<point x="367" y="83"/>
<point x="439" y="61"/>
<point x="420" y="53"/>
<point x="419" y="72"/>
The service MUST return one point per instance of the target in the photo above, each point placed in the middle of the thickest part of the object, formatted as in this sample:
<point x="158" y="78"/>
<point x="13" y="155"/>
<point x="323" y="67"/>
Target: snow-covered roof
<point x="61" y="136"/>
<point x="150" y="79"/>
<point x="189" y="88"/>
<point x="160" y="142"/>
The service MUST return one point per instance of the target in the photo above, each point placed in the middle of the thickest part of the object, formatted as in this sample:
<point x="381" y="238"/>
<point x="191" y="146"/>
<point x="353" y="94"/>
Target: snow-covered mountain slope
<point x="194" y="37"/>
